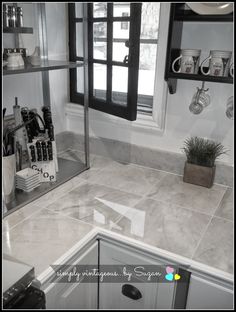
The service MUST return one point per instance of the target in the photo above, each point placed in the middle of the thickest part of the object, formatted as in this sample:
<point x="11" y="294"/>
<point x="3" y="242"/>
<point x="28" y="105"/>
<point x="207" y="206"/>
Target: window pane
<point x="80" y="79"/>
<point x="119" y="31"/>
<point x="100" y="40"/>
<point x="150" y="20"/>
<point x="99" y="81"/>
<point x="78" y="10"/>
<point x="119" y="51"/>
<point x="121" y="9"/>
<point x="119" y="84"/>
<point x="79" y="40"/>
<point x="99" y="9"/>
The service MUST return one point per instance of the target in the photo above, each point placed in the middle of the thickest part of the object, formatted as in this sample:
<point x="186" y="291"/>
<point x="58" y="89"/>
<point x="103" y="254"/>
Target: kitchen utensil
<point x="218" y="63"/>
<point x="200" y="100"/>
<point x="208" y="8"/>
<point x="189" y="61"/>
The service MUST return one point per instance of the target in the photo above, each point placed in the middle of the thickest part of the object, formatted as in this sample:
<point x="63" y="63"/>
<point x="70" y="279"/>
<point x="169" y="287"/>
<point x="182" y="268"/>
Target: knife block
<point x="46" y="168"/>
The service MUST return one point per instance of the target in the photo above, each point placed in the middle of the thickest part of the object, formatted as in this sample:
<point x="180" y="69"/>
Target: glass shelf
<point x="45" y="65"/>
<point x="18" y="30"/>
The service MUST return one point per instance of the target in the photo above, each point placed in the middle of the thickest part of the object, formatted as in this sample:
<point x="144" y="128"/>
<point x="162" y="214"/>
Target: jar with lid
<point x="12" y="16"/>
<point x="5" y="16"/>
<point x="19" y="17"/>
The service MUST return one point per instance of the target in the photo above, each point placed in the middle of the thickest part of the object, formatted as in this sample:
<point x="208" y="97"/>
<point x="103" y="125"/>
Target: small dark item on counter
<point x="39" y="150"/>
<point x="32" y="152"/>
<point x="34" y="126"/>
<point x="5" y="16"/>
<point x="19" y="17"/>
<point x="51" y="132"/>
<point x="50" y="151"/>
<point x="47" y="116"/>
<point x="45" y="157"/>
<point x="12" y="16"/>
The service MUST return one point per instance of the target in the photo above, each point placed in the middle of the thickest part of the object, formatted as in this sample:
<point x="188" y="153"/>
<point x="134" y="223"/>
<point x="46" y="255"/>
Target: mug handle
<point x="231" y="70"/>
<point x="173" y="64"/>
<point x="202" y="71"/>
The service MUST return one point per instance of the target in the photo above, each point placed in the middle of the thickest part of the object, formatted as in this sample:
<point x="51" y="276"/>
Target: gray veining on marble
<point x="43" y="238"/>
<point x="173" y="190"/>
<point x="73" y="155"/>
<point x="18" y="216"/>
<point x="225" y="210"/>
<point x="58" y="192"/>
<point x="130" y="153"/>
<point x="216" y="247"/>
<point x="157" y="159"/>
<point x="129" y="178"/>
<point x="87" y="201"/>
<point x="164" y="225"/>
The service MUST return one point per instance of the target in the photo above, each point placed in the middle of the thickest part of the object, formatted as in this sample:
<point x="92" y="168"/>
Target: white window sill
<point x="143" y="122"/>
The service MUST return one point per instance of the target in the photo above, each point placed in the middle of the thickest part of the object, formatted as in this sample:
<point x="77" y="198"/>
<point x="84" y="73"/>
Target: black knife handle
<point x="50" y="151"/>
<point x="39" y="150"/>
<point x="51" y="132"/>
<point x="45" y="157"/>
<point x="131" y="292"/>
<point x="32" y="152"/>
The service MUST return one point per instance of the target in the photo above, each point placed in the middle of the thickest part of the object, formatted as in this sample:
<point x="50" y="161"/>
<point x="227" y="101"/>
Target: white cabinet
<point x="77" y="295"/>
<point x="205" y="294"/>
<point x="153" y="295"/>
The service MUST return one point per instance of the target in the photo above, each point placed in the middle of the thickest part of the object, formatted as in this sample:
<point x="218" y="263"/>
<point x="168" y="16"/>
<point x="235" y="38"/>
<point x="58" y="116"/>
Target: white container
<point x="189" y="61"/>
<point x="8" y="178"/>
<point x="219" y="62"/>
<point x="15" y="60"/>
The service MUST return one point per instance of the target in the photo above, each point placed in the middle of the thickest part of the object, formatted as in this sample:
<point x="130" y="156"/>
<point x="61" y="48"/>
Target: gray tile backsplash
<point x="128" y="153"/>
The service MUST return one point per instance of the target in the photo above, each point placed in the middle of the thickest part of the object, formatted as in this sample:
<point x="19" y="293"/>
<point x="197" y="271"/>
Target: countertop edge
<point x="195" y="266"/>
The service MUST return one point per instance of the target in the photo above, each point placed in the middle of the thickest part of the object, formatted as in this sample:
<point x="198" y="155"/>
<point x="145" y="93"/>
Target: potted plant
<point x="200" y="165"/>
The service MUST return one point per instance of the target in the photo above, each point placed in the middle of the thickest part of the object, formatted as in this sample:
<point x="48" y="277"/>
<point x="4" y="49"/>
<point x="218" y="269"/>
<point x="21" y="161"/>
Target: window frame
<point x="129" y="111"/>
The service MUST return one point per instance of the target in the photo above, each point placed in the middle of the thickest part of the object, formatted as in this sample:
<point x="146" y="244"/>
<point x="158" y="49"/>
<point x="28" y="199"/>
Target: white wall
<point x="180" y="123"/>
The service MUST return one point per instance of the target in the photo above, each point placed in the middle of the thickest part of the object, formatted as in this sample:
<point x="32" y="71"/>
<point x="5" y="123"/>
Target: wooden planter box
<point x="199" y="175"/>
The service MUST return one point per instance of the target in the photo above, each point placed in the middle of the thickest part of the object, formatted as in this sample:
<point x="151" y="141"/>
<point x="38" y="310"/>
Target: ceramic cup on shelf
<point x="35" y="58"/>
<point x="189" y="61"/>
<point x="218" y="63"/>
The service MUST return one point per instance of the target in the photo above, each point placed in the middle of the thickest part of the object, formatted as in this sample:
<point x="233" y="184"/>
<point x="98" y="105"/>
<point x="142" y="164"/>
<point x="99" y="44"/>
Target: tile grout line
<point x="204" y="232"/>
<point x="26" y="218"/>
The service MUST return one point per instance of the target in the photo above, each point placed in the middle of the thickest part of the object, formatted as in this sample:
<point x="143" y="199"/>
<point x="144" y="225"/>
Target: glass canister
<point x="5" y="16"/>
<point x="19" y="17"/>
<point x="12" y="16"/>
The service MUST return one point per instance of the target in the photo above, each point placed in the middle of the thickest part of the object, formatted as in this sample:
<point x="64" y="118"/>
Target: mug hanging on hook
<point x="200" y="100"/>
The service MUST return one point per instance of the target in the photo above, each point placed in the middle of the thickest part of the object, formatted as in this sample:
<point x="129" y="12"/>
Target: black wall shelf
<point x="45" y="65"/>
<point x="200" y="77"/>
<point x="18" y="30"/>
<point x="177" y="16"/>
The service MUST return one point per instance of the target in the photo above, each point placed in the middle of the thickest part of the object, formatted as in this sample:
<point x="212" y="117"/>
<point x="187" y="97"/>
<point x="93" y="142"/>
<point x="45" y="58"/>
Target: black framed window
<point x="113" y="77"/>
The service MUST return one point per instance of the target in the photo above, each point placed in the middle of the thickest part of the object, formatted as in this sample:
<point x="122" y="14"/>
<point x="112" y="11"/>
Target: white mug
<point x="189" y="61"/>
<point x="15" y="59"/>
<point x="218" y="63"/>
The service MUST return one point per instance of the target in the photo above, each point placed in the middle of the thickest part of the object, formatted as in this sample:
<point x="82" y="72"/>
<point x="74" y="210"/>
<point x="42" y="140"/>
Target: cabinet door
<point x="205" y="294"/>
<point x="74" y="295"/>
<point x="154" y="295"/>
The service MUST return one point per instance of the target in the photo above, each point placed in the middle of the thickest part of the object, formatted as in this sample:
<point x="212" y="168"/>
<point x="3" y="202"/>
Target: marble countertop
<point x="149" y="206"/>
